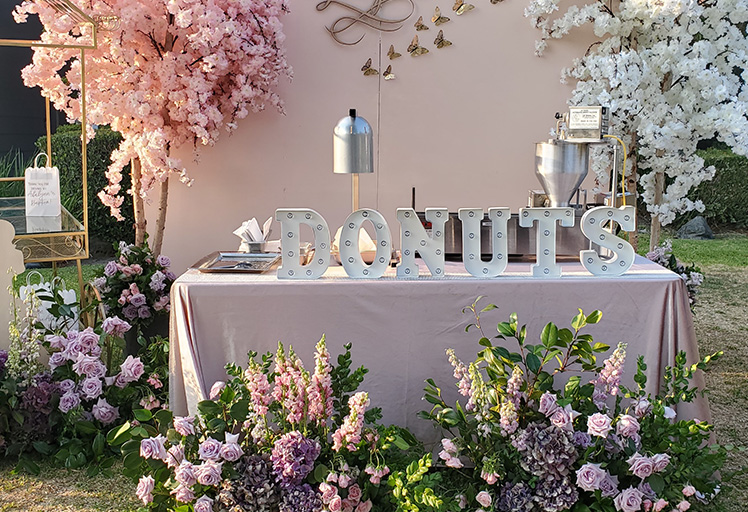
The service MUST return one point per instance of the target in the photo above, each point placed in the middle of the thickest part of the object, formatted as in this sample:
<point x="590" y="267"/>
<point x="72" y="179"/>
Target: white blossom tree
<point x="673" y="73"/>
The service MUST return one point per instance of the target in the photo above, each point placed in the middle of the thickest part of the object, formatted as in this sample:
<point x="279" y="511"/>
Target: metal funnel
<point x="561" y="167"/>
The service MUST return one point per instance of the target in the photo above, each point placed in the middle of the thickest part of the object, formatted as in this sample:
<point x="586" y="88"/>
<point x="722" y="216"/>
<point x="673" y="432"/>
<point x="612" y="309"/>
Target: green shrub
<point x="725" y="196"/>
<point x="66" y="155"/>
<point x="12" y="164"/>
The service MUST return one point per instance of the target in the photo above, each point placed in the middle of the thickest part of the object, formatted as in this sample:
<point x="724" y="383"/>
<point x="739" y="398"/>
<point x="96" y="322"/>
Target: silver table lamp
<point x="352" y="148"/>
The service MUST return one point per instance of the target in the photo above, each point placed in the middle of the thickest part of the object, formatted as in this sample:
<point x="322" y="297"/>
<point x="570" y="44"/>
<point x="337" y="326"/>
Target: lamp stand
<point x="354" y="187"/>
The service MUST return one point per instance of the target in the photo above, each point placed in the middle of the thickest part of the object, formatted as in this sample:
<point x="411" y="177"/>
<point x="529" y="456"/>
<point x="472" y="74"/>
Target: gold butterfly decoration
<point x="368" y="70"/>
<point x="420" y="25"/>
<point x="392" y="54"/>
<point x="388" y="74"/>
<point x="461" y="7"/>
<point x="415" y="49"/>
<point x="440" y="42"/>
<point x="437" y="18"/>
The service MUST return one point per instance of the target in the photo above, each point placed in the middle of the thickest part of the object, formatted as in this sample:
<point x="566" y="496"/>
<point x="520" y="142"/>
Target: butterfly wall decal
<point x="437" y="18"/>
<point x="392" y="54"/>
<point x="420" y="25"/>
<point x="415" y="49"/>
<point x="460" y="7"/>
<point x="440" y="42"/>
<point x="388" y="74"/>
<point x="368" y="70"/>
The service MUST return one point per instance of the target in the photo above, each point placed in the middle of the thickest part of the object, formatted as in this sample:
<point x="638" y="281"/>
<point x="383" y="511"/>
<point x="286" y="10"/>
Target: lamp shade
<point x="352" y="145"/>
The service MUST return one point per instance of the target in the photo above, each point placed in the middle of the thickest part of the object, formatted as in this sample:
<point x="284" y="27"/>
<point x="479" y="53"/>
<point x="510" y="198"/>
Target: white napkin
<point x="250" y="231"/>
<point x="365" y="243"/>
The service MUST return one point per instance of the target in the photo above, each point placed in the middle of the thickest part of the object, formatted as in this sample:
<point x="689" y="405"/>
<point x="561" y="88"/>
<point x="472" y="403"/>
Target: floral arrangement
<point x="521" y="444"/>
<point x="691" y="274"/>
<point x="60" y="405"/>
<point x="136" y="284"/>
<point x="667" y="72"/>
<point x="277" y="440"/>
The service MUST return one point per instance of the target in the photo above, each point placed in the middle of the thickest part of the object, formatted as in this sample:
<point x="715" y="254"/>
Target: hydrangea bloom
<point x="293" y="458"/>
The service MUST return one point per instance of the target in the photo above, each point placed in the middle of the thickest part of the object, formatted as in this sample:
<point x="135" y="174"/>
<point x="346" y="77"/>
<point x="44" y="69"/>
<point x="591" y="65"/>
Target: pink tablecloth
<point x="400" y="328"/>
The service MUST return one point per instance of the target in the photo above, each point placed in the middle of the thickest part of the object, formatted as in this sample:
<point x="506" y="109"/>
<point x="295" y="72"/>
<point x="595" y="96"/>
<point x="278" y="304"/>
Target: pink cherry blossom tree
<point x="169" y="72"/>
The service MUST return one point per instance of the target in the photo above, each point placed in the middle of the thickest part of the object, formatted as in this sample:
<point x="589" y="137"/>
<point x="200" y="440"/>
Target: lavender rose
<point x="640" y="465"/>
<point x="210" y="450"/>
<point x="660" y="461"/>
<point x="183" y="494"/>
<point x="163" y="261"/>
<point x="185" y="473"/>
<point x="204" y="504"/>
<point x="56" y="342"/>
<point x="88" y="339"/>
<point x="627" y="426"/>
<point x="609" y="485"/>
<point x="144" y="312"/>
<point x="69" y="400"/>
<point x="630" y="500"/>
<point x="564" y="418"/>
<point x="153" y="448"/>
<point x="548" y="404"/>
<point x="90" y="388"/>
<point x="138" y="300"/>
<point x="56" y="360"/>
<point x="131" y="369"/>
<point x="110" y="269"/>
<point x="145" y="488"/>
<point x="66" y="385"/>
<point x="184" y="425"/>
<point x="642" y="407"/>
<point x="209" y="473"/>
<point x="598" y="425"/>
<point x="89" y="366"/>
<point x="231" y="452"/>
<point x="590" y="476"/>
<point x="115" y="326"/>
<point x="175" y="456"/>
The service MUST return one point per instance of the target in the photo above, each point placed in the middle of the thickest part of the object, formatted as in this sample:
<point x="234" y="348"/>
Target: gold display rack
<point x="70" y="242"/>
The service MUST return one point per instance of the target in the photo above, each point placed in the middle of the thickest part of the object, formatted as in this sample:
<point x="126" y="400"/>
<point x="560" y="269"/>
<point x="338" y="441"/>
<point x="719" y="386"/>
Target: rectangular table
<point x="401" y="328"/>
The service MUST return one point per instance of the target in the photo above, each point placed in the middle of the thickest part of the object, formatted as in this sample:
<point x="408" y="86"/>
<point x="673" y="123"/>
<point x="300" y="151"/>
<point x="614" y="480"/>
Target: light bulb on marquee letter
<point x="413" y="238"/>
<point x="472" y="219"/>
<point x="623" y="253"/>
<point x="350" y="252"/>
<point x="290" y="220"/>
<point x="545" y="251"/>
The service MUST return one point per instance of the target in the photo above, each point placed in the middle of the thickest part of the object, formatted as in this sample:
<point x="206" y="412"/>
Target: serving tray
<point x="254" y="263"/>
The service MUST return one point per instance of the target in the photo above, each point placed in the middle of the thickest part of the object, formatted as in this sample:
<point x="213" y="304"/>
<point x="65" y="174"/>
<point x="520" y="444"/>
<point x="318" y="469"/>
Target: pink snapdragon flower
<point x="319" y="393"/>
<point x="349" y="433"/>
<point x="259" y="388"/>
<point x="609" y="379"/>
<point x="376" y="473"/>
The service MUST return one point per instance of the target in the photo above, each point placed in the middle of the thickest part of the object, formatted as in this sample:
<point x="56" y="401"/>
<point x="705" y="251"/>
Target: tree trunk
<point x="163" y="199"/>
<point x="631" y="181"/>
<point x="656" y="227"/>
<point x="137" y="201"/>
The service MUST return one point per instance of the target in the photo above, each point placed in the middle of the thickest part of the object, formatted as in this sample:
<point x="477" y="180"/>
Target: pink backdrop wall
<point x="458" y="124"/>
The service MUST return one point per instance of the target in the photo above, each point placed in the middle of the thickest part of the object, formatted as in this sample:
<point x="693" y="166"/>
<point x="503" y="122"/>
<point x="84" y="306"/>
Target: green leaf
<point x="489" y="308"/>
<point x="400" y="443"/>
<point x="132" y="460"/>
<point x="209" y="408"/>
<point x="42" y="447"/>
<point x="572" y="385"/>
<point x="240" y="410"/>
<point x="484" y="342"/>
<point x="506" y="329"/>
<point x="98" y="444"/>
<point x="533" y="363"/>
<point x="549" y="335"/>
<point x="600" y="347"/>
<point x="565" y="336"/>
<point x="657" y="483"/>
<point x="320" y="473"/>
<point x="86" y="427"/>
<point x="594" y="317"/>
<point x="142" y="415"/>
<point x="119" y="435"/>
<point x="578" y="321"/>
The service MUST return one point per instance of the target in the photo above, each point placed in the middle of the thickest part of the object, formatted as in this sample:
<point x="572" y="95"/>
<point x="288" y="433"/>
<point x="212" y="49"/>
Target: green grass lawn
<point x="68" y="273"/>
<point x="729" y="249"/>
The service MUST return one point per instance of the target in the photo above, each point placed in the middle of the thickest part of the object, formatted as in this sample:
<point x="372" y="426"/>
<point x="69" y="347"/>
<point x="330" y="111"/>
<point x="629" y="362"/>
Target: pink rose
<point x="484" y="499"/>
<point x="145" y="488"/>
<point x="461" y="500"/>
<point x="659" y="505"/>
<point x="647" y="505"/>
<point x="204" y="504"/>
<point x="564" y="418"/>
<point x="490" y="478"/>
<point x="590" y="476"/>
<point x="689" y="490"/>
<point x="210" y="449"/>
<point x="185" y="473"/>
<point x="115" y="326"/>
<point x="660" y="461"/>
<point x="183" y="494"/>
<point x="548" y="404"/>
<point x="104" y="412"/>
<point x="630" y="500"/>
<point x="640" y="465"/>
<point x="364" y="506"/>
<point x="90" y="388"/>
<point x="683" y="506"/>
<point x="348" y="505"/>
<point x="344" y="480"/>
<point x="627" y="426"/>
<point x="209" y="473"/>
<point x="153" y="448"/>
<point x="598" y="425"/>
<point x="131" y="369"/>
<point x="328" y="492"/>
<point x="217" y="389"/>
<point x="175" y="456"/>
<point x="354" y="494"/>
<point x="336" y="504"/>
<point x="184" y="425"/>
<point x="136" y="268"/>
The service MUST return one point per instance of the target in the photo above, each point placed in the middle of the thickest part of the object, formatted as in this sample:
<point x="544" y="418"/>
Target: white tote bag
<point x="42" y="190"/>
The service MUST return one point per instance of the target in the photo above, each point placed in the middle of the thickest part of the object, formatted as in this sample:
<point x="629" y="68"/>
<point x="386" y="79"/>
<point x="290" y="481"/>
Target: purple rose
<point x="590" y="476"/>
<point x="231" y="452"/>
<point x="170" y="275"/>
<point x="175" y="455"/>
<point x="104" y="412"/>
<point x="73" y="349"/>
<point x="56" y="360"/>
<point x="609" y="485"/>
<point x="630" y="500"/>
<point x="204" y="504"/>
<point x="88" y="339"/>
<point x="660" y="461"/>
<point x="210" y="449"/>
<point x="110" y="269"/>
<point x="90" y="388"/>
<point x="640" y="465"/>
<point x="115" y="326"/>
<point x="153" y="448"/>
<point x="564" y="418"/>
<point x="548" y="404"/>
<point x="184" y="425"/>
<point x="66" y="385"/>
<point x="69" y="401"/>
<point x="209" y="473"/>
<point x="56" y="342"/>
<point x="163" y="261"/>
<point x="144" y="312"/>
<point x="582" y="439"/>
<point x="599" y="425"/>
<point x="157" y="281"/>
<point x="183" y="494"/>
<point x="185" y="473"/>
<point x="131" y="369"/>
<point x="145" y="488"/>
<point x="130" y="312"/>
<point x="138" y="299"/>
<point x="642" y="407"/>
<point x="89" y="366"/>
